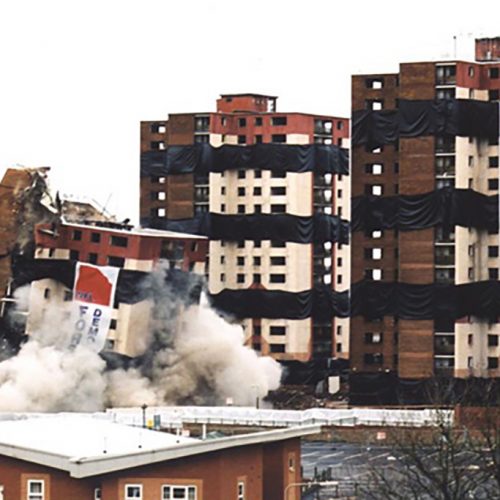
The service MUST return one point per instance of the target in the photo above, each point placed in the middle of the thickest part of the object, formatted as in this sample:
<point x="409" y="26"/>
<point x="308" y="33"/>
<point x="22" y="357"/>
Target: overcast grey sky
<point x="76" y="77"/>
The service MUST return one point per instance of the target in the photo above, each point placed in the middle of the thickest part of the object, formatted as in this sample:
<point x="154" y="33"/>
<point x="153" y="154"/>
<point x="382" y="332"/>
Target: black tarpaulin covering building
<point x="203" y="158"/>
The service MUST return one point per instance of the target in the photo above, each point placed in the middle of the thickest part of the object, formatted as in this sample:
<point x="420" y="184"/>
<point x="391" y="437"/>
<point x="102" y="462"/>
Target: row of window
<point x="116" y="241"/>
<point x="379" y="189"/>
<point x="441" y="275"/>
<point x="168" y="492"/>
<point x="257" y="261"/>
<point x="112" y="260"/>
<point x="378" y="104"/>
<point x="256" y="278"/>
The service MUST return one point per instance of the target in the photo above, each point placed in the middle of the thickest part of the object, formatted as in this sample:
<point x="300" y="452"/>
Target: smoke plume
<point x="191" y="356"/>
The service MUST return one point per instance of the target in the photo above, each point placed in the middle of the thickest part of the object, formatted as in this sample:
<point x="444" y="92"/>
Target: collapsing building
<point x="425" y="182"/>
<point x="120" y="246"/>
<point x="271" y="192"/>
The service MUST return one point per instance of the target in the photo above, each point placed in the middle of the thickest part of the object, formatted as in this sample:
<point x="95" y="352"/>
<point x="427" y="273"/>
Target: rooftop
<point x="86" y="445"/>
<point x="123" y="228"/>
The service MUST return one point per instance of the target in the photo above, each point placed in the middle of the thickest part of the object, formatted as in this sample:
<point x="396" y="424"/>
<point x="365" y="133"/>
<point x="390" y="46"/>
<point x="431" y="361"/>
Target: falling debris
<point x="191" y="356"/>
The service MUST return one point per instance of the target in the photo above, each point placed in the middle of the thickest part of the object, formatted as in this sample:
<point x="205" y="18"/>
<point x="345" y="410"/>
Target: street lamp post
<point x="144" y="407"/>
<point x="308" y="483"/>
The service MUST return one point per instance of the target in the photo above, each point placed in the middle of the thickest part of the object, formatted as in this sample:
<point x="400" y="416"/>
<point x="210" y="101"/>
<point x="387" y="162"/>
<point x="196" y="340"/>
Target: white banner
<point x="93" y="298"/>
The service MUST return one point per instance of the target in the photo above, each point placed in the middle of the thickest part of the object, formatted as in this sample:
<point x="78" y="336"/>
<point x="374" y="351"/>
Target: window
<point x="97" y="494"/>
<point x="492" y="340"/>
<point x="492" y="273"/>
<point x="68" y="295"/>
<point x="277" y="278"/>
<point x="257" y="191"/>
<point x="77" y="235"/>
<point x="46" y="293"/>
<point x="258" y="139"/>
<point x="242" y="139"/>
<point x="277" y="348"/>
<point x="116" y="261"/>
<point x="242" y="122"/>
<point x="493" y="184"/>
<point x="278" y="261"/>
<point x="256" y="278"/>
<point x="278" y="138"/>
<point x="242" y="174"/>
<point x="241" y="191"/>
<point x="74" y="254"/>
<point x="92" y="258"/>
<point x="493" y="72"/>
<point x="278" y="120"/>
<point x="374" y="168"/>
<point x="374" y="274"/>
<point x="492" y="363"/>
<point x="374" y="83"/>
<point x="375" y="104"/>
<point x="113" y="324"/>
<point x="256" y="261"/>
<point x="373" y="359"/>
<point x="278" y="191"/>
<point x="178" y="492"/>
<point x="277" y="330"/>
<point x="258" y="121"/>
<point x="95" y="237"/>
<point x="158" y="128"/>
<point x="257" y="243"/>
<point x="493" y="162"/>
<point x="257" y="173"/>
<point x="119" y="241"/>
<point x="493" y="95"/>
<point x="373" y="338"/>
<point x="240" y="261"/>
<point x="257" y="209"/>
<point x="278" y="209"/>
<point x="240" y="278"/>
<point x="241" y="490"/>
<point x="376" y="234"/>
<point x="492" y="251"/>
<point x="374" y="189"/>
<point x="241" y="209"/>
<point x="36" y="489"/>
<point x="470" y="339"/>
<point x="241" y="244"/>
<point x="223" y="277"/>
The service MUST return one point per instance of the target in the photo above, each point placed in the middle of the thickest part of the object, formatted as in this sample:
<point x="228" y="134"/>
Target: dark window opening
<point x="77" y="235"/>
<point x="278" y="138"/>
<point x="278" y="120"/>
<point x="277" y="348"/>
<point x="116" y="261"/>
<point x="119" y="241"/>
<point x="92" y="258"/>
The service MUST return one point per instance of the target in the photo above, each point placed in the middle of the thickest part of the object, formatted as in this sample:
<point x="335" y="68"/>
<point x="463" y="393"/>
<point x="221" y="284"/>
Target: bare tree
<point x="453" y="460"/>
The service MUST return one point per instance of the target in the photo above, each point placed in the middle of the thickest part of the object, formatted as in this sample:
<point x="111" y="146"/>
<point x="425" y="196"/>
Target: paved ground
<point x="350" y="466"/>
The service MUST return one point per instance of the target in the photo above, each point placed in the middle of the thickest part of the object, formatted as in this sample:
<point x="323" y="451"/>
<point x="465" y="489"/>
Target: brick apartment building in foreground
<point x="419" y="163"/>
<point x="248" y="122"/>
<point x="81" y="457"/>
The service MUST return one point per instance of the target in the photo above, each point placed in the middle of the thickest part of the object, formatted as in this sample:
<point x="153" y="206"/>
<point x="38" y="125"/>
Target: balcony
<point x="202" y="124"/>
<point x="444" y="256"/>
<point x="445" y="166"/>
<point x="444" y="345"/>
<point x="446" y="75"/>
<point x="445" y="144"/>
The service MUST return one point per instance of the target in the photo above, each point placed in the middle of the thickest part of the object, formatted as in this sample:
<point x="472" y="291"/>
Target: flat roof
<point x="85" y="445"/>
<point x="137" y="231"/>
<point x="249" y="94"/>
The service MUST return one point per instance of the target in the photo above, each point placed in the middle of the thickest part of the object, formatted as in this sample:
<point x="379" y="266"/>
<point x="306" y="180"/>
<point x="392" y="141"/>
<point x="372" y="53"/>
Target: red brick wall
<point x="264" y="468"/>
